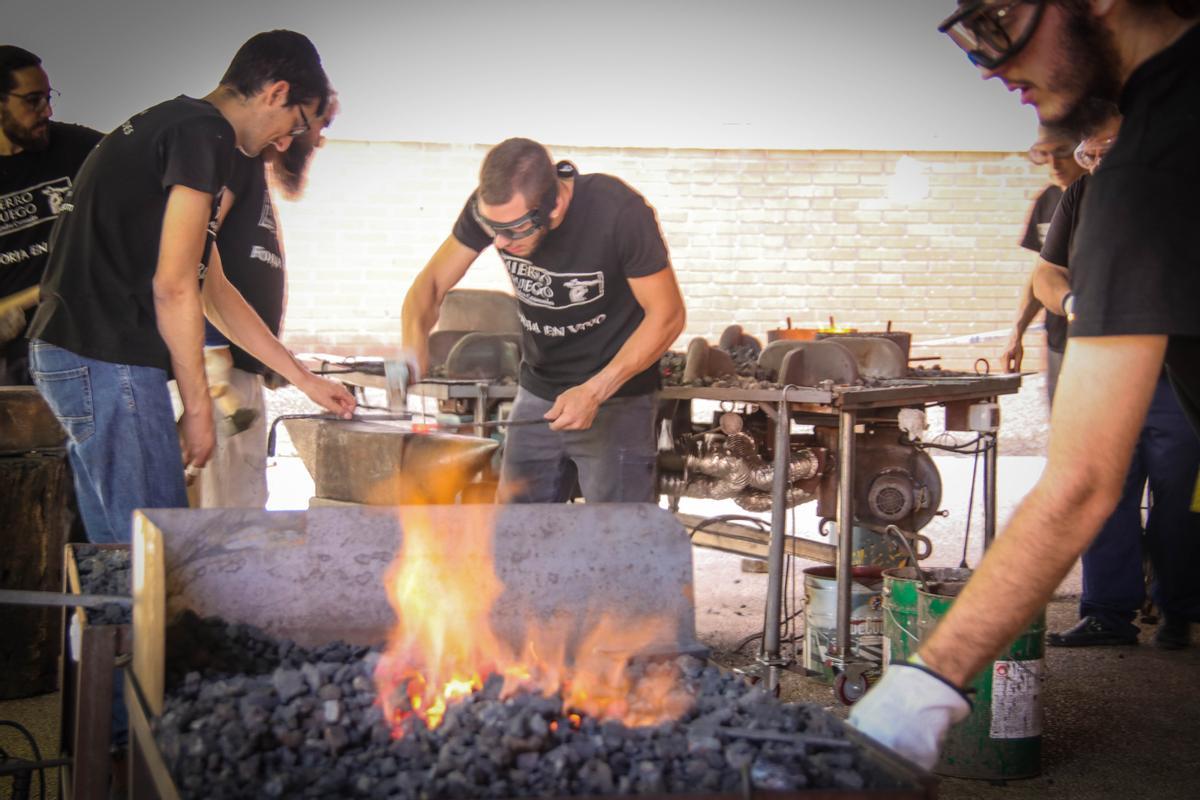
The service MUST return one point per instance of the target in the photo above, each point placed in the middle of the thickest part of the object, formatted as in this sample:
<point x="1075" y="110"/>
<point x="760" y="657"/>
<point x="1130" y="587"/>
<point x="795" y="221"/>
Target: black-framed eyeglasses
<point x="1044" y="155"/>
<point x="1091" y="151"/>
<point x="991" y="32"/>
<point x="304" y="127"/>
<point x="521" y="228"/>
<point x="37" y="100"/>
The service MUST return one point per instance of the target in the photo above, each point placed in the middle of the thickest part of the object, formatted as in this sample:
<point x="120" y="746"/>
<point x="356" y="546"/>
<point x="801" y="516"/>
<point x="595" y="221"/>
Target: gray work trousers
<point x="614" y="459"/>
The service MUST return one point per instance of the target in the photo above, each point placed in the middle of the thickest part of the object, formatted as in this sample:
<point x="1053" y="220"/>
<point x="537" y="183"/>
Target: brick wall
<point x="755" y="237"/>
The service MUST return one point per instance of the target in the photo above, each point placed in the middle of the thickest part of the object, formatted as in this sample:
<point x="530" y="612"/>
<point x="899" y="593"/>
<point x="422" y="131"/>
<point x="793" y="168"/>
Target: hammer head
<point x="399" y="374"/>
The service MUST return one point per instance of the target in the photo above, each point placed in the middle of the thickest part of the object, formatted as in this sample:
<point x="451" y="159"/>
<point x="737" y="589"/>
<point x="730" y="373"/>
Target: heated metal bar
<point x="845" y="518"/>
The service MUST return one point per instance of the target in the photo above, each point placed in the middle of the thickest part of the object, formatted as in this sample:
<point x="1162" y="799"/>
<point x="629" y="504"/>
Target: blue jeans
<point x="1168" y="455"/>
<point x="121" y="437"/>
<point x="614" y="459"/>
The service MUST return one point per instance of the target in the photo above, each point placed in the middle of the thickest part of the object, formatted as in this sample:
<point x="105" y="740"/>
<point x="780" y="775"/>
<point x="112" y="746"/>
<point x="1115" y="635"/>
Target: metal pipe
<point x="990" y="465"/>
<point x="845" y="517"/>
<point x="770" y="656"/>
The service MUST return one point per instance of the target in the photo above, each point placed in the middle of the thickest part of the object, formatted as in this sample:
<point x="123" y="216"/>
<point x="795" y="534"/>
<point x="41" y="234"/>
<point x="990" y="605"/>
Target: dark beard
<point x="290" y="168"/>
<point x="23" y="137"/>
<point x="1088" y="50"/>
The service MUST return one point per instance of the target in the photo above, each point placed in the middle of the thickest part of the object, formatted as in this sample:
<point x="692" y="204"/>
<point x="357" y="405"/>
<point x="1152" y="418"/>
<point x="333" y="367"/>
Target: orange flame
<point x="443" y="586"/>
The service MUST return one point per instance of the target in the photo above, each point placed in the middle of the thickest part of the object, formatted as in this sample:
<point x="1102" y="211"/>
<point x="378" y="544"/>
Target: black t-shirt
<point x="1135" y="261"/>
<point x="1057" y="246"/>
<point x="251" y="254"/>
<point x="1034" y="239"/>
<point x="575" y="303"/>
<point x="97" y="293"/>
<point x="33" y="186"/>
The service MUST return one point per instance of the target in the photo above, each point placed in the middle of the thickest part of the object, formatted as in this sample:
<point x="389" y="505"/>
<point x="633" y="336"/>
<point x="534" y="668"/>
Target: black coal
<point x="250" y="716"/>
<point x="105" y="571"/>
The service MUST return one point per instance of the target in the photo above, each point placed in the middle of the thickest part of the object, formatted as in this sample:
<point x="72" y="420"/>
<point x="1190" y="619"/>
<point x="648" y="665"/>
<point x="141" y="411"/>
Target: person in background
<point x="1056" y="149"/>
<point x="38" y="161"/>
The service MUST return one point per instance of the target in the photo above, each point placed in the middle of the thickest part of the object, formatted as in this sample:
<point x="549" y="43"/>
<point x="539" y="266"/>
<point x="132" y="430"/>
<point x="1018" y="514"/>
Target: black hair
<point x="279" y="56"/>
<point x="12" y="59"/>
<point x="519" y="165"/>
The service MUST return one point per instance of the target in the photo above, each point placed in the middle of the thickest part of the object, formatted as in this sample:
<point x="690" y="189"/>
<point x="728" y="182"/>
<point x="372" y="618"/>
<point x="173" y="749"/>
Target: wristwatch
<point x="1068" y="304"/>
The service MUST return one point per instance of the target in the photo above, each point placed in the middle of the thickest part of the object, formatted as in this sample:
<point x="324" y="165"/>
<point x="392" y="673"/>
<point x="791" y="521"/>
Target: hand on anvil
<point x="329" y="394"/>
<point x="575" y="409"/>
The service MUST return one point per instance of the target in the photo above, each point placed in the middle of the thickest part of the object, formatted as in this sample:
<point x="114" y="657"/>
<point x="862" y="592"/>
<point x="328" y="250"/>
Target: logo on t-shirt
<point x="541" y="287"/>
<point x="32" y="205"/>
<point x="267" y="218"/>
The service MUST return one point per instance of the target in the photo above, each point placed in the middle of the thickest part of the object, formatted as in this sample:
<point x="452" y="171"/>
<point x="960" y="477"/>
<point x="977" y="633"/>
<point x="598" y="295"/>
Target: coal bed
<point x="247" y="715"/>
<point x="107" y="571"/>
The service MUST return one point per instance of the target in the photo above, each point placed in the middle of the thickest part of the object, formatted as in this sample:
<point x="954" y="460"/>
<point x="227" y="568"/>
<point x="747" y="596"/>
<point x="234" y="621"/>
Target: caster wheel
<point x="849" y="690"/>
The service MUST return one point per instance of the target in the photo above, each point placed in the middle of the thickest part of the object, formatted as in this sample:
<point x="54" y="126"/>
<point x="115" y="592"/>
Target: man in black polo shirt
<point x="1136" y="284"/>
<point x="1056" y="149"/>
<point x="599" y="304"/>
<point x="121" y="297"/>
<point x="38" y="161"/>
<point x="252" y="255"/>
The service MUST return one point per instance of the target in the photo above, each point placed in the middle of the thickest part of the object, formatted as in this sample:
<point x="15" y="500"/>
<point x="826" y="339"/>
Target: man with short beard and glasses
<point x="1135" y="277"/>
<point x="252" y="254"/>
<point x="38" y="161"/>
<point x="132" y="273"/>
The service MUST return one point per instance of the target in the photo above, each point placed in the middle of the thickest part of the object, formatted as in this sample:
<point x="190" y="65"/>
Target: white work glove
<point x="909" y="711"/>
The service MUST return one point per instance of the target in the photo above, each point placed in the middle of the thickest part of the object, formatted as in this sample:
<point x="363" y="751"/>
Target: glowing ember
<point x="443" y="586"/>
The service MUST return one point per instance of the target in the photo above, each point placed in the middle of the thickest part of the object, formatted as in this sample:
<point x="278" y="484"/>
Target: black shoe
<point x="1091" y="631"/>
<point x="1173" y="634"/>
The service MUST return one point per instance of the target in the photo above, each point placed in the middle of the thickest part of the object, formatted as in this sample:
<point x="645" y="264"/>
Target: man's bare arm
<point x="235" y="318"/>
<point x="179" y="313"/>
<point x="660" y="298"/>
<point x="423" y="302"/>
<point x="1027" y="309"/>
<point x="1050" y="285"/>
<point x="1103" y="394"/>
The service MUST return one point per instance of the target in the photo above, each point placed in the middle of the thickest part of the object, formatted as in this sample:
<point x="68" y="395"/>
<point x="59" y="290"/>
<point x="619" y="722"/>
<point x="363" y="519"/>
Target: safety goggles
<point x="521" y="228"/>
<point x="304" y="127"/>
<point x="991" y="32"/>
<point x="37" y="100"/>
<point x="1090" y="152"/>
<point x="1043" y="155"/>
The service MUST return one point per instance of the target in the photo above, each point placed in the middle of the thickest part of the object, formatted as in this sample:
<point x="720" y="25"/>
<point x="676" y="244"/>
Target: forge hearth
<point x="277" y="692"/>
<point x="251" y="716"/>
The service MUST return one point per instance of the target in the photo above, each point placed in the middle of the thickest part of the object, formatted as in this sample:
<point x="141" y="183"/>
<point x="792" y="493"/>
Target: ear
<point x="276" y="93"/>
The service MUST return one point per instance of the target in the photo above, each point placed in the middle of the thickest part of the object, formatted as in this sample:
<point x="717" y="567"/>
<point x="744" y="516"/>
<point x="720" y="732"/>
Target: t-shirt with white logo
<point x="97" y="293"/>
<point x="33" y="188"/>
<point x="575" y="303"/>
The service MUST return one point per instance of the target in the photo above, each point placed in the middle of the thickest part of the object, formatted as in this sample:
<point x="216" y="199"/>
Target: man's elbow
<point x="1085" y="493"/>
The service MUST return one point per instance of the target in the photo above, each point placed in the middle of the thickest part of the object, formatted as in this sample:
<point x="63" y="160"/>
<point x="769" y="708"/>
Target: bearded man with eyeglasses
<point x="1135" y="279"/>
<point x="38" y="162"/>
<point x="599" y="305"/>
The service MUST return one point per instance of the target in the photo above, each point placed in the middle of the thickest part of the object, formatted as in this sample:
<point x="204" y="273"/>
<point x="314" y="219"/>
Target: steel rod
<point x="845" y="518"/>
<point x="990" y="467"/>
<point x="771" y="658"/>
<point x="23" y="597"/>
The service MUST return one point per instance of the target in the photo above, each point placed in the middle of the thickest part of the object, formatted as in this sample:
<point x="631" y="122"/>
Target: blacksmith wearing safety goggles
<point x="991" y="32"/>
<point x="528" y="224"/>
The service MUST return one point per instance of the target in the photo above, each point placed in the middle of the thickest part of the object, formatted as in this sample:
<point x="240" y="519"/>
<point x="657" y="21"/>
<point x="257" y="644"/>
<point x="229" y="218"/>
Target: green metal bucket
<point x="900" y="587"/>
<point x="1001" y="739"/>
